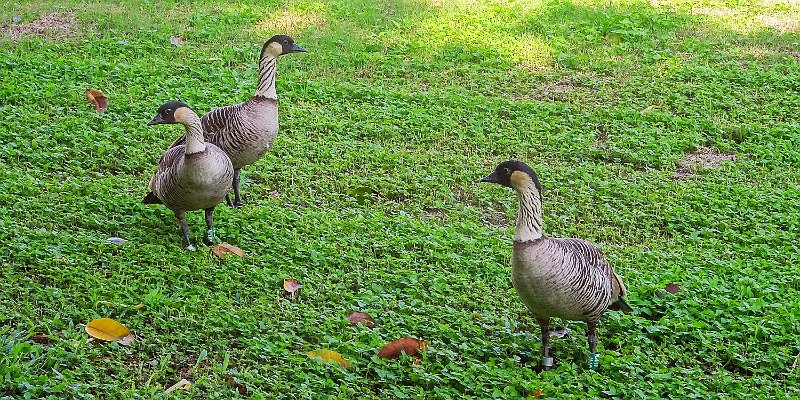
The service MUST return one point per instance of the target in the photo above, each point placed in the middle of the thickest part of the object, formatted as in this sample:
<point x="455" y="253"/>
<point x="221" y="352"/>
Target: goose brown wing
<point x="218" y="120"/>
<point x="167" y="164"/>
<point x="593" y="258"/>
<point x="213" y="122"/>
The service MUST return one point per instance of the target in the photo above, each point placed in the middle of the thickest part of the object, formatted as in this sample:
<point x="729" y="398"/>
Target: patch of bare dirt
<point x="560" y="90"/>
<point x="702" y="158"/>
<point x="495" y="219"/>
<point x="53" y="24"/>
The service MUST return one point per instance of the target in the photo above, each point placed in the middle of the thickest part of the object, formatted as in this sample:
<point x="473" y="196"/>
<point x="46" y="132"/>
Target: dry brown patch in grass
<point x="702" y="158"/>
<point x="495" y="219"/>
<point x="782" y="23"/>
<point x="291" y="23"/>
<point x="563" y="88"/>
<point x="52" y="24"/>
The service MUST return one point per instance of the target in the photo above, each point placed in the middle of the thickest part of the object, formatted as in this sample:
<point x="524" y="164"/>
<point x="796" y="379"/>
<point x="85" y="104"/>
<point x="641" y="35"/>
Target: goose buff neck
<point x="529" y="211"/>
<point x="195" y="143"/>
<point x="266" y="71"/>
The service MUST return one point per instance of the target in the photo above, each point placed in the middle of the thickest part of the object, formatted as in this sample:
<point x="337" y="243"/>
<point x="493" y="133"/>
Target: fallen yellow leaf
<point x="328" y="356"/>
<point x="109" y="330"/>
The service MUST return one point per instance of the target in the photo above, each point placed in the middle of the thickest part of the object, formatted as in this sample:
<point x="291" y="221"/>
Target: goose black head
<point x="280" y="45"/>
<point x="513" y="174"/>
<point x="167" y="113"/>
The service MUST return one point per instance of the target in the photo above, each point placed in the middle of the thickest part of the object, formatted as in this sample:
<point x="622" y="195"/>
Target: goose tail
<point x="621" y="305"/>
<point x="151" y="198"/>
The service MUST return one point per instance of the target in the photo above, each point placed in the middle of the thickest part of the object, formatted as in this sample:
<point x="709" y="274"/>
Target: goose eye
<point x="167" y="111"/>
<point x="507" y="171"/>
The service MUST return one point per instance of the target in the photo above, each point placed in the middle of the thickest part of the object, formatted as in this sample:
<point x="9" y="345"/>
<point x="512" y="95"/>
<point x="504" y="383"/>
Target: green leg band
<point x="593" y="361"/>
<point x="211" y="235"/>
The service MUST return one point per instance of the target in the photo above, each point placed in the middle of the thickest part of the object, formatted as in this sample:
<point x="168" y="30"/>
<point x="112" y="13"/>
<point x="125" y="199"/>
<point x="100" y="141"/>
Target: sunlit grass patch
<point x="294" y="20"/>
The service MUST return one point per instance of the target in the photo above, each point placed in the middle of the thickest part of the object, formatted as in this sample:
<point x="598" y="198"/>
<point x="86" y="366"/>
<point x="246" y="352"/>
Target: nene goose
<point x="564" y="278"/>
<point x="245" y="131"/>
<point x="189" y="177"/>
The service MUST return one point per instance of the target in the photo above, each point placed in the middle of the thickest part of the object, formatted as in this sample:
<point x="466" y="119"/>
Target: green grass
<point x="415" y="101"/>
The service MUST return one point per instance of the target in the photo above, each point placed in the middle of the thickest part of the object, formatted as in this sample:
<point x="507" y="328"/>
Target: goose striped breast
<point x="189" y="177"/>
<point x="247" y="130"/>
<point x="556" y="277"/>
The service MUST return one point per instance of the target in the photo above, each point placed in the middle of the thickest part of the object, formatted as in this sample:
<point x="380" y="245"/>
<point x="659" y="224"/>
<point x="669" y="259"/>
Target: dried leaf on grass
<point x="412" y="347"/>
<point x="109" y="330"/>
<point x="358" y="317"/>
<point x="291" y="285"/>
<point x="98" y="99"/>
<point x="177" y="41"/>
<point x="182" y="384"/>
<point x="672" y="288"/>
<point x="222" y="249"/>
<point x="234" y="384"/>
<point x="328" y="356"/>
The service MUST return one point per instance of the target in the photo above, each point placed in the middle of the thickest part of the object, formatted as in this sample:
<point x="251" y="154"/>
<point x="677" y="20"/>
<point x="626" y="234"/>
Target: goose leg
<point x="181" y="215"/>
<point x="547" y="359"/>
<point x="211" y="233"/>
<point x="592" y="338"/>
<point x="237" y="199"/>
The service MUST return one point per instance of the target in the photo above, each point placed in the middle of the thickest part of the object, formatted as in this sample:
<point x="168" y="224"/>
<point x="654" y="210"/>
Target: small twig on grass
<point x="794" y="364"/>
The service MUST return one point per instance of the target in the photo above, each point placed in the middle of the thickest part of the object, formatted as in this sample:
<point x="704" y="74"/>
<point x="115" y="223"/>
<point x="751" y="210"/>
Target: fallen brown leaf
<point x="177" y="41"/>
<point x="98" y="99"/>
<point x="234" y="384"/>
<point x="222" y="249"/>
<point x="672" y="288"/>
<point x="408" y="345"/>
<point x="41" y="338"/>
<point x="358" y="317"/>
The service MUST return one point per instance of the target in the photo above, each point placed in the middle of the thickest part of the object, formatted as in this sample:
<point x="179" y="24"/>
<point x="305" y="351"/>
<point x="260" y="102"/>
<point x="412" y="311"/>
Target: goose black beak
<point x="297" y="49"/>
<point x="156" y="120"/>
<point x="491" y="178"/>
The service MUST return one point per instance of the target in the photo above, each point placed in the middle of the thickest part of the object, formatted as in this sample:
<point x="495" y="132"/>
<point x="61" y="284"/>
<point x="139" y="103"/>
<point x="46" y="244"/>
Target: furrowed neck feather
<point x="266" y="76"/>
<point x="529" y="213"/>
<point x="195" y="143"/>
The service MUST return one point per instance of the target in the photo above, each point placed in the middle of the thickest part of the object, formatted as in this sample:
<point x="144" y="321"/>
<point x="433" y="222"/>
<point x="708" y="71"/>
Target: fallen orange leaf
<point x="98" y="99"/>
<point x="109" y="330"/>
<point x="222" y="249"/>
<point x="408" y="345"/>
<point x="328" y="356"/>
<point x="358" y="317"/>
<point x="536" y="393"/>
